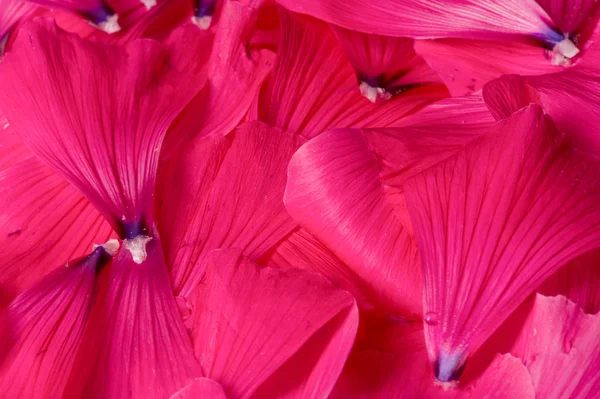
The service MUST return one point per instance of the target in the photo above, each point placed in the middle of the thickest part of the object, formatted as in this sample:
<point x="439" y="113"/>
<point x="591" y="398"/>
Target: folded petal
<point x="466" y="65"/>
<point x="309" y="95"/>
<point x="579" y="281"/>
<point x="302" y="250"/>
<point x="423" y="19"/>
<point x="95" y="113"/>
<point x="135" y="344"/>
<point x="335" y="192"/>
<point x="508" y="95"/>
<point x="44" y="220"/>
<point x="234" y="76"/>
<point x="559" y="345"/>
<point x="492" y="223"/>
<point x="224" y="193"/>
<point x="47" y="325"/>
<point x="253" y="326"/>
<point x="11" y="12"/>
<point x="345" y="187"/>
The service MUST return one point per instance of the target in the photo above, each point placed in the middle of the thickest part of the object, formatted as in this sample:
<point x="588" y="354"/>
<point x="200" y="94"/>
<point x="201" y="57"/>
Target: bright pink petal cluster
<point x="299" y="199"/>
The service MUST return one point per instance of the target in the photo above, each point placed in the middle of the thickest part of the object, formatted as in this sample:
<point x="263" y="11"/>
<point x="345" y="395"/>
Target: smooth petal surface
<point x="225" y="193"/>
<point x="425" y="19"/>
<point x="47" y="325"/>
<point x="135" y="344"/>
<point x="335" y="192"/>
<point x="466" y="65"/>
<point x="492" y="223"/>
<point x="95" y="113"/>
<point x="309" y="95"/>
<point x="345" y="187"/>
<point x="252" y="327"/>
<point x="509" y="94"/>
<point x="559" y="345"/>
<point x="12" y="149"/>
<point x="11" y="12"/>
<point x="579" y="281"/>
<point x="44" y="220"/>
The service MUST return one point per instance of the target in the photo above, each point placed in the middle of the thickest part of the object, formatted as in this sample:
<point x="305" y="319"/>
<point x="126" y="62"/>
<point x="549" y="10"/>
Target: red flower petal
<point x="492" y="223"/>
<point x="252" y="327"/>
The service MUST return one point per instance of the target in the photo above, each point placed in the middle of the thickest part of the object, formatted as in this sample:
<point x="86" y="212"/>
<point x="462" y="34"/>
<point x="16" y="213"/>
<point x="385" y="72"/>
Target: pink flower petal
<point x="12" y="149"/>
<point x="201" y="388"/>
<point x="48" y="321"/>
<point x="96" y="11"/>
<point x="302" y="250"/>
<point x="135" y="344"/>
<point x="383" y="62"/>
<point x="98" y="119"/>
<point x="268" y="332"/>
<point x="569" y="15"/>
<point x="224" y="193"/>
<point x="423" y="19"/>
<point x="492" y="223"/>
<point x="234" y="77"/>
<point x="508" y="95"/>
<point x="466" y="65"/>
<point x="579" y="281"/>
<point x="390" y="361"/>
<point x="345" y="187"/>
<point x="11" y="12"/>
<point x="559" y="345"/>
<point x="311" y="95"/>
<point x="334" y="190"/>
<point x="44" y="221"/>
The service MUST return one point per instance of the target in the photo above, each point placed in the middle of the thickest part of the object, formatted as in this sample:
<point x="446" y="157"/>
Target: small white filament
<point x="202" y="22"/>
<point x="111" y="246"/>
<point x="111" y="25"/>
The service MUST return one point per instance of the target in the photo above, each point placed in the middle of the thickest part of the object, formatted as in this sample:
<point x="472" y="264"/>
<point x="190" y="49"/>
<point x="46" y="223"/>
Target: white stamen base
<point x="111" y="25"/>
<point x="446" y="386"/>
<point x="202" y="22"/>
<point x="111" y="246"/>
<point x="137" y="247"/>
<point x="566" y="48"/>
<point x="373" y="93"/>
<point x="149" y="3"/>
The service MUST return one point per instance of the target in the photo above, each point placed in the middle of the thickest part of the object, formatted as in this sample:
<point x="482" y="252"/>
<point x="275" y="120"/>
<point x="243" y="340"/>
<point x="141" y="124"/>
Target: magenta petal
<point x="423" y="19"/>
<point x="99" y="119"/>
<point x="44" y="221"/>
<point x="559" y="345"/>
<point x="492" y="223"/>
<point x="569" y="15"/>
<point x="135" y="344"/>
<point x="234" y="75"/>
<point x="335" y="192"/>
<point x="201" y="388"/>
<point x="225" y="193"/>
<point x="48" y="321"/>
<point x="501" y="103"/>
<point x="267" y="332"/>
<point x="311" y="95"/>
<point x="11" y="12"/>
<point x="466" y="65"/>
<point x="579" y="281"/>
